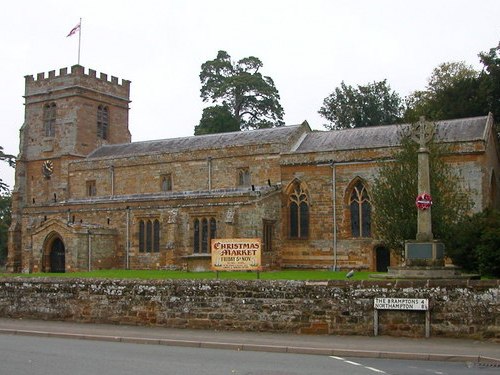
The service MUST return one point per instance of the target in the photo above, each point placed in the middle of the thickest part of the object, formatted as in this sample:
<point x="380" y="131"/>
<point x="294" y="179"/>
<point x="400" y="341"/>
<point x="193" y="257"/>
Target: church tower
<point x="67" y="116"/>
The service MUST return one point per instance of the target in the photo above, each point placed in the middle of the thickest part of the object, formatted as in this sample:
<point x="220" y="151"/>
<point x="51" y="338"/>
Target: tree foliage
<point x="5" y="220"/>
<point x="216" y="119"/>
<point x="454" y="90"/>
<point x="490" y="78"/>
<point x="9" y="159"/>
<point x="396" y="187"/>
<point x="369" y="105"/>
<point x="475" y="243"/>
<point x="251" y="98"/>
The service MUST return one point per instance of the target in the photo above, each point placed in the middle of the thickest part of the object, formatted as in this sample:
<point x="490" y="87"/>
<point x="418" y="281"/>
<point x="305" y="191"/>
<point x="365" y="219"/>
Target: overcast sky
<point x="307" y="46"/>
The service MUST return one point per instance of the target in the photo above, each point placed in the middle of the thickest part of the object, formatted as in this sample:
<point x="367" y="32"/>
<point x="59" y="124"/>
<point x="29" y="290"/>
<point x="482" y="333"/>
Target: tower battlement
<point x="77" y="76"/>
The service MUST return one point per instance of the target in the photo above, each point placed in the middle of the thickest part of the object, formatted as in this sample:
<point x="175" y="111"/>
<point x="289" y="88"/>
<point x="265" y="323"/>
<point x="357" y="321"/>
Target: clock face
<point x="47" y="168"/>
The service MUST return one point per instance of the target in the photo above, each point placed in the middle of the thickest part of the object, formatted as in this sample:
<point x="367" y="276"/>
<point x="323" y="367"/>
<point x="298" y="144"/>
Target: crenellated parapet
<point x="77" y="77"/>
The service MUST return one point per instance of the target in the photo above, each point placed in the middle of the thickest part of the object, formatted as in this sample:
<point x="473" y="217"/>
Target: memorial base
<point x="426" y="273"/>
<point x="424" y="253"/>
<point x="425" y="260"/>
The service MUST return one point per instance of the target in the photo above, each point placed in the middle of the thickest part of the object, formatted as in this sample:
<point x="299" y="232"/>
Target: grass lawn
<point x="154" y="275"/>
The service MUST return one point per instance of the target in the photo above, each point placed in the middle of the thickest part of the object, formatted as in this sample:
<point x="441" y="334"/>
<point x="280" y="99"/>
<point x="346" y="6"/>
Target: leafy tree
<point x="475" y="243"/>
<point x="5" y="220"/>
<point x="396" y="187"/>
<point x="216" y="119"/>
<point x="372" y="104"/>
<point x="454" y="90"/>
<point x="9" y="159"/>
<point x="252" y="98"/>
<point x="448" y="73"/>
<point x="491" y="79"/>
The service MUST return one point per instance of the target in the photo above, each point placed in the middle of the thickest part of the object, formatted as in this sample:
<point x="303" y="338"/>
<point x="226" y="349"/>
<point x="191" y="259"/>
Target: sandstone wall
<point x="458" y="308"/>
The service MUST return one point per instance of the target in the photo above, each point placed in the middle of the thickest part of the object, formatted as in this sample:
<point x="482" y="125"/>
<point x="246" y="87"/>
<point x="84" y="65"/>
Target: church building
<point x="88" y="198"/>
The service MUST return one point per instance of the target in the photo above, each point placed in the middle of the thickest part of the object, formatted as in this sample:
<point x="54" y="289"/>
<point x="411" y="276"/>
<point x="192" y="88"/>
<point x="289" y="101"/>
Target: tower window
<point x="102" y="122"/>
<point x="49" y="119"/>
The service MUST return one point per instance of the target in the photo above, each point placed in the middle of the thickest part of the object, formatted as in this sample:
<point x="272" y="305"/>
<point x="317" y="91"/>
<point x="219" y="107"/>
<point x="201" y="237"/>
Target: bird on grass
<point x="350" y="274"/>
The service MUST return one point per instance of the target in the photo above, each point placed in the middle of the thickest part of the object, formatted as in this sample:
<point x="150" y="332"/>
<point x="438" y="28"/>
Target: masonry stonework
<point x="82" y="196"/>
<point x="457" y="308"/>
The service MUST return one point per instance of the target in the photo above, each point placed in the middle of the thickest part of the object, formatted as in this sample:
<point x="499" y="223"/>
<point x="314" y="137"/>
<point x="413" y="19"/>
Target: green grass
<point x="156" y="275"/>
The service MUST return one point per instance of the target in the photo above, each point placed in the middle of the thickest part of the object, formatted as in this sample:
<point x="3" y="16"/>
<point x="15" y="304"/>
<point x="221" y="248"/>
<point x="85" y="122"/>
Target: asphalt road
<point x="25" y="355"/>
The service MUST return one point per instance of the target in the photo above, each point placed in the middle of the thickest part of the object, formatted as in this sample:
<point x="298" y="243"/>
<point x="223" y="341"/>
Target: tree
<point x="395" y="189"/>
<point x="9" y="159"/>
<point x="251" y="98"/>
<point x="216" y="119"/>
<point x="475" y="243"/>
<point x="454" y="90"/>
<point x="491" y="79"/>
<point x="5" y="220"/>
<point x="369" y="105"/>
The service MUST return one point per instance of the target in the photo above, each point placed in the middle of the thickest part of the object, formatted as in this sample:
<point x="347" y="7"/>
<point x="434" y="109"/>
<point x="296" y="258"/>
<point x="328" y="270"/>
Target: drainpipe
<point x="89" y="244"/>
<point x="112" y="170"/>
<point x="127" y="245"/>
<point x="334" y="189"/>
<point x="209" y="162"/>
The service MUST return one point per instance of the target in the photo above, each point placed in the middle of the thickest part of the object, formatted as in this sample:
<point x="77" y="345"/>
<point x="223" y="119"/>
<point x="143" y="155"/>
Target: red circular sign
<point x="424" y="201"/>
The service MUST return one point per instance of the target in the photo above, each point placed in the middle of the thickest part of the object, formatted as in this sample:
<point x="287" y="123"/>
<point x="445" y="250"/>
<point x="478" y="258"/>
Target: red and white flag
<point x="74" y="30"/>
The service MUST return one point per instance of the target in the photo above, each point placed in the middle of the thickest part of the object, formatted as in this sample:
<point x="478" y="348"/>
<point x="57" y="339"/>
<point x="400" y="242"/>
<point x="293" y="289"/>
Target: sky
<point x="307" y="47"/>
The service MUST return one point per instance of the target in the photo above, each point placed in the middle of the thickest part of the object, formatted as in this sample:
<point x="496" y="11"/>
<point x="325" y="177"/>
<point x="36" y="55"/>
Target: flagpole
<point x="79" y="39"/>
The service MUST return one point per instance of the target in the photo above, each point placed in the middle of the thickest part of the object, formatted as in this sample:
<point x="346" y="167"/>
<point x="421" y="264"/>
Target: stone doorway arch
<point x="56" y="251"/>
<point x="382" y="258"/>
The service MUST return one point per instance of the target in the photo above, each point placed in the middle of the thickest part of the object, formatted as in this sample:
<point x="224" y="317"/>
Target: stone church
<point x="87" y="198"/>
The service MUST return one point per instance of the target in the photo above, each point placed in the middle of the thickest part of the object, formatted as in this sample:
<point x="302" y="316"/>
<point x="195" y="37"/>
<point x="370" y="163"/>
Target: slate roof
<point x="281" y="136"/>
<point x="286" y="137"/>
<point x="468" y="129"/>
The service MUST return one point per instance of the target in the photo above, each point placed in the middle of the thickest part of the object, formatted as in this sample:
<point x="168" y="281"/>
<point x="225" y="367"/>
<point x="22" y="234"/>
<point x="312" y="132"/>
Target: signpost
<point x="419" y="304"/>
<point x="401" y="304"/>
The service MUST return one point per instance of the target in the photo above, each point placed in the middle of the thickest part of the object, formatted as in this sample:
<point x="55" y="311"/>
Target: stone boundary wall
<point x="458" y="308"/>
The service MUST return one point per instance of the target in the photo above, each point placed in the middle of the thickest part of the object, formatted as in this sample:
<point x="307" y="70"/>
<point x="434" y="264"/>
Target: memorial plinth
<point x="427" y="254"/>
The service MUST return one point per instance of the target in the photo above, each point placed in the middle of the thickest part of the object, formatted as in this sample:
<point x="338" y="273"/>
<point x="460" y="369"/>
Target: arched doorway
<point x="57" y="256"/>
<point x="382" y="258"/>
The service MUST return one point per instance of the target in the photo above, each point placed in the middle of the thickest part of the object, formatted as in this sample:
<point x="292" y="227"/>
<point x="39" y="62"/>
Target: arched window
<point x="141" y="236"/>
<point x="298" y="204"/>
<point x="204" y="230"/>
<point x="149" y="236"/>
<point x="156" y="236"/>
<point x="196" y="236"/>
<point x="102" y="122"/>
<point x="360" y="207"/>
<point x="49" y="119"/>
<point x="243" y="177"/>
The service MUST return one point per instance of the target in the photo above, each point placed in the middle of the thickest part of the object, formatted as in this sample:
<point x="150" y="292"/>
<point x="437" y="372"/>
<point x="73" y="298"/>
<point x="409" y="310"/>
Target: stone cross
<point x="422" y="133"/>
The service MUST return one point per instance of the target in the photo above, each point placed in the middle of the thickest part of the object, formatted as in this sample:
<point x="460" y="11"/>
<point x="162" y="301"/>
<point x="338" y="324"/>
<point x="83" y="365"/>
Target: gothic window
<point x="298" y="204"/>
<point x="102" y="122"/>
<point x="149" y="236"/>
<point x="243" y="177"/>
<point x="267" y="235"/>
<point x="49" y="119"/>
<point x="204" y="230"/>
<point x="360" y="207"/>
<point x="91" y="188"/>
<point x="166" y="182"/>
